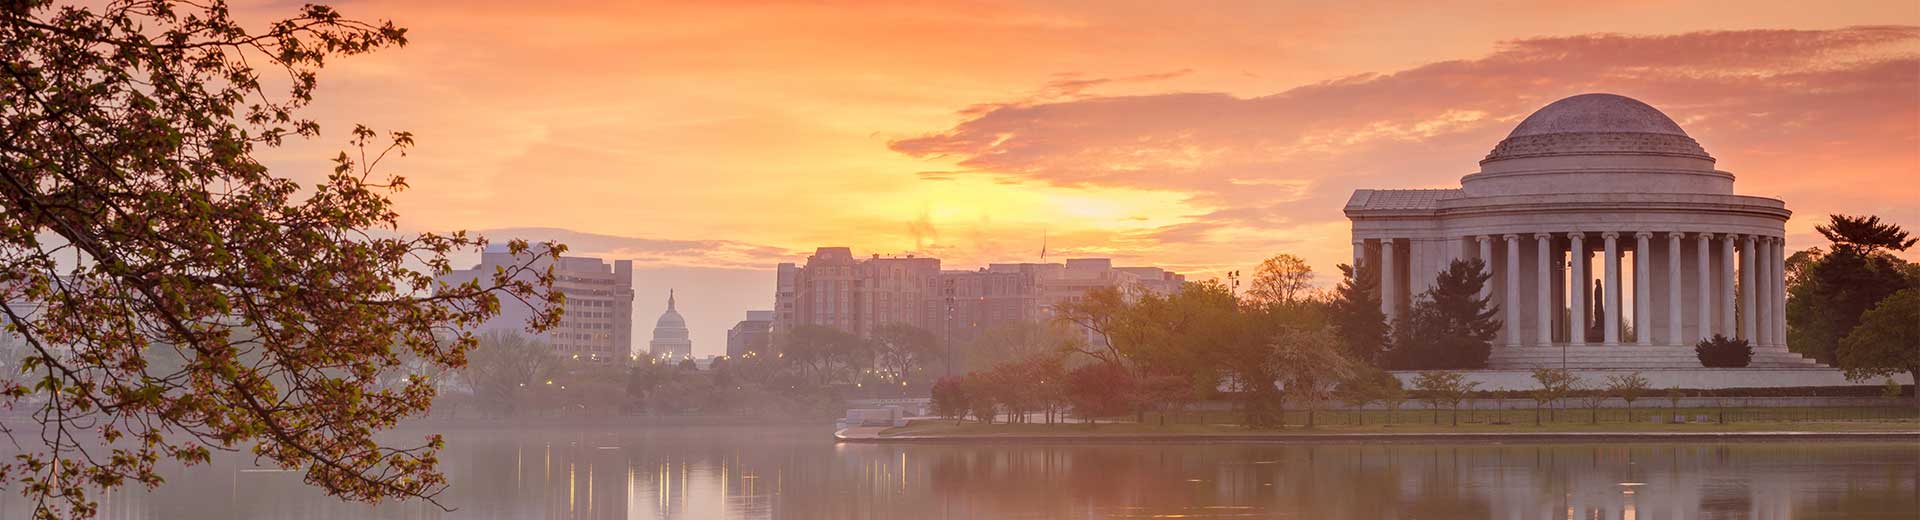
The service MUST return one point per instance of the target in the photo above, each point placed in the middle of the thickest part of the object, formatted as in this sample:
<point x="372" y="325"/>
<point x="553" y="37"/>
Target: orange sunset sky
<point x="710" y="140"/>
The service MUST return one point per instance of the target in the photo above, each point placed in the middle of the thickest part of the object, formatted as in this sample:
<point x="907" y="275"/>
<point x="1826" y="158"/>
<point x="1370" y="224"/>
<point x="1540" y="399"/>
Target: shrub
<point x="1721" y="352"/>
<point x="950" y="398"/>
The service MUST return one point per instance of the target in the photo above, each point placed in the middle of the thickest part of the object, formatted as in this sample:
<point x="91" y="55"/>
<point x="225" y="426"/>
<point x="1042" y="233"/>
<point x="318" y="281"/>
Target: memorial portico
<point x="1596" y="193"/>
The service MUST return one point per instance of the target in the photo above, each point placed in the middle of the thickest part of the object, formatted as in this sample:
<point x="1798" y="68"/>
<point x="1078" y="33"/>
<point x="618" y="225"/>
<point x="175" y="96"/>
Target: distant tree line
<point x="1282" y="344"/>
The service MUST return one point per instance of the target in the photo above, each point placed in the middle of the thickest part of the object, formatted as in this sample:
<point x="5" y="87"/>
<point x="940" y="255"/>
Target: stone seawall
<point x="1659" y="379"/>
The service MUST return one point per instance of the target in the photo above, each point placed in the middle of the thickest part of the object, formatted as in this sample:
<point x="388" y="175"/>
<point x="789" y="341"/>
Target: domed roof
<point x="1589" y="113"/>
<point x="670" y="319"/>
<point x="1597" y="124"/>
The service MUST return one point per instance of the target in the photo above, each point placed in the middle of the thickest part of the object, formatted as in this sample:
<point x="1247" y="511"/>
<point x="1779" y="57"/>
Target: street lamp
<point x="947" y="325"/>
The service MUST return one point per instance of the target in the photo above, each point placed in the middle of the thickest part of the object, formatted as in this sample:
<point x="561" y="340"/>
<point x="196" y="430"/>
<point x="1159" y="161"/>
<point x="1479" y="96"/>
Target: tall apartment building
<point x="836" y="289"/>
<point x="754" y="334"/>
<point x="598" y="323"/>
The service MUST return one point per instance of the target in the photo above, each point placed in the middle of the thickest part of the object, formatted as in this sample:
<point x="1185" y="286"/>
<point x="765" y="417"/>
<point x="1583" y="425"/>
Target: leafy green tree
<point x="1887" y="340"/>
<point x="1015" y="340"/>
<point x="900" y="348"/>
<point x="1831" y="293"/>
<point x="1354" y="313"/>
<point x="1450" y="326"/>
<point x="1226" y="343"/>
<point x="592" y="388"/>
<point x="950" y="399"/>
<point x="505" y="367"/>
<point x="1283" y="279"/>
<point x="826" y="354"/>
<point x="1107" y="314"/>
<point x="1594" y="395"/>
<point x="645" y="378"/>
<point x="1627" y="387"/>
<point x="1554" y="384"/>
<point x="1441" y="387"/>
<point x="136" y="215"/>
<point x="1393" y="394"/>
<point x="1310" y="364"/>
<point x="1364" y="386"/>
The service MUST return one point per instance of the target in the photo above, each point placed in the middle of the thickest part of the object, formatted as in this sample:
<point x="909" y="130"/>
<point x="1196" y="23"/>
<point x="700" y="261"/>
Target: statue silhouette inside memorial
<point x="1595" y="333"/>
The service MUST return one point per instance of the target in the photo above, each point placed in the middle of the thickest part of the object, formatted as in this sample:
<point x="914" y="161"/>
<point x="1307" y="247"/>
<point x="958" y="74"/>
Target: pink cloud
<point x="1816" y="117"/>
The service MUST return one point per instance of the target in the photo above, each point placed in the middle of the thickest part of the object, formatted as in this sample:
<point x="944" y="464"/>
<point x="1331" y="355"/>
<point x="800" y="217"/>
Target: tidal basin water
<point x="798" y="473"/>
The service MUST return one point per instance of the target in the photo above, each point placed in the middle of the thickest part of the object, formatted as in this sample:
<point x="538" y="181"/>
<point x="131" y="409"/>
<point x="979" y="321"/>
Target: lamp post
<point x="947" y="326"/>
<point x="1556" y="310"/>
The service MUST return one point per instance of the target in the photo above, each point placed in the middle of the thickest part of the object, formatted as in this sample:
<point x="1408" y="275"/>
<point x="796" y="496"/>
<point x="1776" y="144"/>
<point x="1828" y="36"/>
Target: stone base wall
<point x="1633" y="357"/>
<point x="1660" y="379"/>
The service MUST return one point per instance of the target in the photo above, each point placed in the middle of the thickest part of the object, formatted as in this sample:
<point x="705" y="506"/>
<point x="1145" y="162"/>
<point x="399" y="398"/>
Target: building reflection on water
<point x="748" y="473"/>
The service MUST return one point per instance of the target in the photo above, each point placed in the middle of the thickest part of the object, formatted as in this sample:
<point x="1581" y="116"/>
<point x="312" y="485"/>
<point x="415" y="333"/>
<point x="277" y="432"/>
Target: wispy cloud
<point x="1778" y="107"/>
<point x="652" y="252"/>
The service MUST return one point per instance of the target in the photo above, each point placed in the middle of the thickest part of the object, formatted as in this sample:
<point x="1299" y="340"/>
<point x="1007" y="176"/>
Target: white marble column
<point x="1762" y="293"/>
<point x="1642" y="288"/>
<point x="1486" y="258"/>
<point x="1703" y="253"/>
<point x="1727" y="326"/>
<point x="1577" y="293"/>
<point x="1747" y="311"/>
<point x="1674" y="316"/>
<point x="1359" y="255"/>
<point x="1544" y="244"/>
<point x="1388" y="293"/>
<point x="1610" y="332"/>
<point x="1512" y="305"/>
<point x="1779" y="279"/>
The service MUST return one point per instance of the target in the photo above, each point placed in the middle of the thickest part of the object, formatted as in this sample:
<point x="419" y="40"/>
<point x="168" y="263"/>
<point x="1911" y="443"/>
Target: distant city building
<point x="837" y="290"/>
<point x="785" y="297"/>
<point x="753" y="334"/>
<point x="598" y="319"/>
<point x="670" y="339"/>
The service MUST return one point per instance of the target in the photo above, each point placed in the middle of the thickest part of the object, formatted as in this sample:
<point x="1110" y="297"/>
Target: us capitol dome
<point x="670" y="340"/>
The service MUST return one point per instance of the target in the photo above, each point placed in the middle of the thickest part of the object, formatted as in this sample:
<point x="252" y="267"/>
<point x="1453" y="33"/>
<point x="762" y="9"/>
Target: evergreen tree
<point x="1864" y="235"/>
<point x="1827" y="299"/>
<point x="1450" y="326"/>
<point x="1355" y="314"/>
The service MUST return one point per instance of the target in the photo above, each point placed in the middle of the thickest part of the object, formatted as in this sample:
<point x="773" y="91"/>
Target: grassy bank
<point x="1700" y="420"/>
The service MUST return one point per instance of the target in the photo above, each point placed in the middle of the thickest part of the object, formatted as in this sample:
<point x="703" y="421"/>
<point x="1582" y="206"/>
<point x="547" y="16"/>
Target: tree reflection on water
<point x="796" y="472"/>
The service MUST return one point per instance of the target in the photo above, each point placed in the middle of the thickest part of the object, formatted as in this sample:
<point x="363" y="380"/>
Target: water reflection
<point x="745" y="473"/>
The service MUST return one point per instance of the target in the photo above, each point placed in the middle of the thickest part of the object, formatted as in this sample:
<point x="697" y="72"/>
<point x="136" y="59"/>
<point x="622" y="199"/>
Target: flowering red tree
<point x="1100" y="390"/>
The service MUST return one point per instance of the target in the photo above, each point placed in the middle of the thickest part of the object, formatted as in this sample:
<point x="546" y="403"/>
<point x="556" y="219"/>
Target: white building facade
<point x="598" y="318"/>
<point x="1593" y="188"/>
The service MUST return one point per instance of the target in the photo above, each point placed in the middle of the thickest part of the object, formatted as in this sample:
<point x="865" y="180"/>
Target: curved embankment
<point x="874" y="435"/>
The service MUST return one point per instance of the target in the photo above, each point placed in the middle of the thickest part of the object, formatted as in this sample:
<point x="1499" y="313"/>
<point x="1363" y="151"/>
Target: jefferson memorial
<point x="1596" y="200"/>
